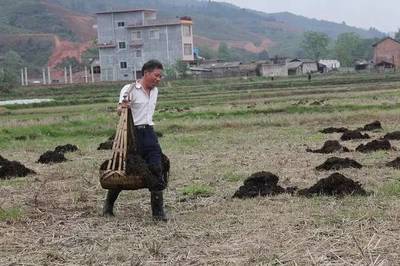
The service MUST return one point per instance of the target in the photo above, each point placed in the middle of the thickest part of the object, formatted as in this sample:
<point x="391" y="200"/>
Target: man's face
<point x="153" y="78"/>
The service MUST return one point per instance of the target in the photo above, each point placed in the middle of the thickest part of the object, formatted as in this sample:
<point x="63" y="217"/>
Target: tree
<point x="223" y="52"/>
<point x="9" y="74"/>
<point x="182" y="68"/>
<point x="348" y="48"/>
<point x="208" y="53"/>
<point x="170" y="72"/>
<point x="315" y="44"/>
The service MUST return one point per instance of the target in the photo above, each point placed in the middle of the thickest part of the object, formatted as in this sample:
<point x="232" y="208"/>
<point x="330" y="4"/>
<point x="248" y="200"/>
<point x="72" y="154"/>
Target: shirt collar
<point x="138" y="85"/>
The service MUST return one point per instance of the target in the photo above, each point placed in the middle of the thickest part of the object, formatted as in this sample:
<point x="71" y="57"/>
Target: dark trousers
<point x="149" y="149"/>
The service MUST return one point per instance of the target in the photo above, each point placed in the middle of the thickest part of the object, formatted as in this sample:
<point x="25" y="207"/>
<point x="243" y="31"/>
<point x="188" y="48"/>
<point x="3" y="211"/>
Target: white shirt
<point x="142" y="105"/>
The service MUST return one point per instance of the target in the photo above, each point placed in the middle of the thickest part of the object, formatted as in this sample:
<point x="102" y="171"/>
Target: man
<point x="142" y="97"/>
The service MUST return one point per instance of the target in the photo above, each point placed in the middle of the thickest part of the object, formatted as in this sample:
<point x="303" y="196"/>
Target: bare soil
<point x="52" y="157"/>
<point x="376" y="125"/>
<point x="334" y="185"/>
<point x="330" y="146"/>
<point x="375" y="145"/>
<point x="66" y="148"/>
<point x="395" y="163"/>
<point x="354" y="134"/>
<point x="392" y="135"/>
<point x="108" y="144"/>
<point x="261" y="184"/>
<point x="10" y="169"/>
<point x="335" y="163"/>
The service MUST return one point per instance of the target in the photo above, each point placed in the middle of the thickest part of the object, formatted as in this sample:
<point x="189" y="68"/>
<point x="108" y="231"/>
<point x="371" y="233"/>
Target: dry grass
<point x="59" y="222"/>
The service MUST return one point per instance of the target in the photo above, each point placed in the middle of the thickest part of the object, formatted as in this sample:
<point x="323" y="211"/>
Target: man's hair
<point x="151" y="65"/>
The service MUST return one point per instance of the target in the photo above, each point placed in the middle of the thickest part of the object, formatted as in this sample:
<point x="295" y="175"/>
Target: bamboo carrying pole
<point x="114" y="176"/>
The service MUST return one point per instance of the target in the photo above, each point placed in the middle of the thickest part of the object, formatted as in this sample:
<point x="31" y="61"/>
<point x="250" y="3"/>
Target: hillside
<point x="229" y="23"/>
<point x="71" y="21"/>
<point x="43" y="33"/>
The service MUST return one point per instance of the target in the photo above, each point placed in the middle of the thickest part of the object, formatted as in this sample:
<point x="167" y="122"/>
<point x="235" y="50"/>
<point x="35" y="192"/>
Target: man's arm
<point x="123" y="101"/>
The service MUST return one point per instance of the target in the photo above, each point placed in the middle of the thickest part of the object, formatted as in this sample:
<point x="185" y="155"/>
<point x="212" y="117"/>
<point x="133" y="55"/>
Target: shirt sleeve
<point x="124" y="92"/>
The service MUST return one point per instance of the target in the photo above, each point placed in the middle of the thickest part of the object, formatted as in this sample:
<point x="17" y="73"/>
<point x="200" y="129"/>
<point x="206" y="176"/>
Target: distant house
<point x="129" y="38"/>
<point x="327" y="65"/>
<point x="360" y="65"/>
<point x="274" y="70"/>
<point x="217" y="69"/>
<point x="387" y="53"/>
<point x="288" y="67"/>
<point x="295" y="68"/>
<point x="306" y="66"/>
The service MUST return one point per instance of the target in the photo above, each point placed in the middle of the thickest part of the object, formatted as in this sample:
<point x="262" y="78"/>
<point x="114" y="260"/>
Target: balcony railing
<point x="107" y="45"/>
<point x="136" y="43"/>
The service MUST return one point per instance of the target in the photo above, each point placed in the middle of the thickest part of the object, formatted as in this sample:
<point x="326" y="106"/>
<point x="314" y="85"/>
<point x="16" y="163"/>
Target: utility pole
<point x="26" y="76"/>
<point x="86" y="74"/>
<point x="48" y="75"/>
<point x="44" y="76"/>
<point x="65" y="75"/>
<point x="92" y="74"/>
<point x="22" y="77"/>
<point x="70" y="74"/>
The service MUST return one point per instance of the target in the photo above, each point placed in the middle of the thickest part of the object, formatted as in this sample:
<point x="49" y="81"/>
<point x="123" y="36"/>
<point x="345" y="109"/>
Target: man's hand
<point x="124" y="104"/>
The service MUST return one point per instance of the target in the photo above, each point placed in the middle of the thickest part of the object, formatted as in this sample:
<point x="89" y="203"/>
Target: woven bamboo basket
<point x="114" y="176"/>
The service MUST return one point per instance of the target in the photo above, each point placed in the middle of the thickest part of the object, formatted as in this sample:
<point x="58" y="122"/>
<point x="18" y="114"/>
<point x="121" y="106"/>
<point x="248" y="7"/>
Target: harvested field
<point x="54" y="217"/>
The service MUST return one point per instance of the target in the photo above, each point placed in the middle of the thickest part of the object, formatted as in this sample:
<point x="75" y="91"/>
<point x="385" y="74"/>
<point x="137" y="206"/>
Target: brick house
<point x="387" y="53"/>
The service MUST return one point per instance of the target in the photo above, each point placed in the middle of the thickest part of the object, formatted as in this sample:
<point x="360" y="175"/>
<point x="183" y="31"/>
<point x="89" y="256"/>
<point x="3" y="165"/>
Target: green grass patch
<point x="10" y="214"/>
<point x="16" y="182"/>
<point x="100" y="126"/>
<point x="232" y="177"/>
<point x="391" y="189"/>
<point x="197" y="190"/>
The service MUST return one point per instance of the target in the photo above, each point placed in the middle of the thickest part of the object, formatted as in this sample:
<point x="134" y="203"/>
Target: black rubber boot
<point x="157" y="206"/>
<point x="108" y="207"/>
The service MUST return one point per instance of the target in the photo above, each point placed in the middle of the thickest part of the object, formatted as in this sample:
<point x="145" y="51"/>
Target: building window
<point x="154" y="34"/>
<point x="123" y="65"/>
<point x="121" y="24"/>
<point x="138" y="53"/>
<point x="122" y="45"/>
<point x="187" y="49"/>
<point x="187" y="30"/>
<point x="136" y="35"/>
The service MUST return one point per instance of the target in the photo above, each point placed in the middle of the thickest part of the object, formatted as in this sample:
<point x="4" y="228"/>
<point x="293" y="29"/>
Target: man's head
<point x="152" y="73"/>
